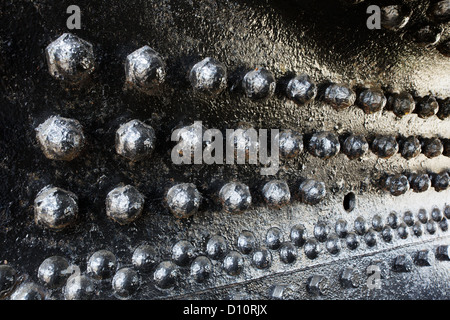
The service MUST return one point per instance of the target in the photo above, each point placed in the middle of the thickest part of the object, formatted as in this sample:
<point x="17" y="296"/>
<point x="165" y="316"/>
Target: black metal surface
<point x="327" y="40"/>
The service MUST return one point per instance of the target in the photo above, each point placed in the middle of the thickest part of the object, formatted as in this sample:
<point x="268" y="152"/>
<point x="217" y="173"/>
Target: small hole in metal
<point x="349" y="201"/>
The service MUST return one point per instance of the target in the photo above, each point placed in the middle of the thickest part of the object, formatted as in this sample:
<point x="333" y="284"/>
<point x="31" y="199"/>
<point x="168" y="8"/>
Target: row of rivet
<point x="63" y="139"/>
<point x="351" y="278"/>
<point x="56" y="208"/>
<point x="55" y="271"/>
<point x="71" y="58"/>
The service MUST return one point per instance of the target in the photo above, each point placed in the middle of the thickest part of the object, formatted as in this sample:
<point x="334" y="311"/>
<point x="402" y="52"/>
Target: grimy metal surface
<point x="329" y="41"/>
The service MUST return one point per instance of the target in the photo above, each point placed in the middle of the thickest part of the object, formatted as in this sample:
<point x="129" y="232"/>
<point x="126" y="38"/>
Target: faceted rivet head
<point x="398" y="185"/>
<point x="201" y="269"/>
<point x="301" y="89"/>
<point x="79" y="287"/>
<point x="55" y="208"/>
<point x="259" y="84"/>
<point x="385" y="146"/>
<point x="432" y="148"/>
<point x="276" y="193"/>
<point x="182" y="253"/>
<point x="427" y="107"/>
<point x="102" y="264"/>
<point x="189" y="138"/>
<point x="165" y="274"/>
<point x="233" y="263"/>
<point x="246" y="242"/>
<point x="324" y="145"/>
<point x="208" y="76"/>
<point x="183" y="200"/>
<point x="124" y="204"/>
<point x="401" y="103"/>
<point x="8" y="279"/>
<point x="235" y="197"/>
<point x="355" y="146"/>
<point x="29" y="291"/>
<point x="60" y="138"/>
<point x="312" y="192"/>
<point x="410" y="147"/>
<point x="217" y="247"/>
<point x="54" y="271"/>
<point x="135" y="140"/>
<point x="419" y="182"/>
<point x="395" y="17"/>
<point x="70" y="58"/>
<point x="440" y="181"/>
<point x="339" y="96"/>
<point x="262" y="258"/>
<point x="125" y="282"/>
<point x="371" y="100"/>
<point x="144" y="69"/>
<point x="291" y="143"/>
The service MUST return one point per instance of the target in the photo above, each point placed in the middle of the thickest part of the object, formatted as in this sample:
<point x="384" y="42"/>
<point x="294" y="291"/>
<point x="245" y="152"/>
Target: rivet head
<point x="102" y="264"/>
<point x="301" y="89"/>
<point x="208" y="76"/>
<point x="311" y="191"/>
<point x="125" y="283"/>
<point x="339" y="96"/>
<point x="54" y="271"/>
<point x="61" y="138"/>
<point x="70" y="58"/>
<point x="183" y="200"/>
<point x="235" y="197"/>
<point x="55" y="208"/>
<point x="124" y="204"/>
<point x="259" y="84"/>
<point x="135" y="140"/>
<point x="144" y="69"/>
